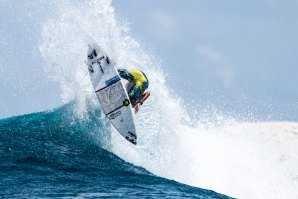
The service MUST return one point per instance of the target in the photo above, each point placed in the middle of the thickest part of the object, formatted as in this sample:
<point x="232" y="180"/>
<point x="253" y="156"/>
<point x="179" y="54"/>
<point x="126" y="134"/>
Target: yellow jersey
<point x="139" y="78"/>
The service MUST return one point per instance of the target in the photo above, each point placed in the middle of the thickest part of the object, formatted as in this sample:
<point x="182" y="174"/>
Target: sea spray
<point x="245" y="160"/>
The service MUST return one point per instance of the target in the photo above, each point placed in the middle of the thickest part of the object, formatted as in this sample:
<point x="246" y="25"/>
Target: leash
<point x="83" y="77"/>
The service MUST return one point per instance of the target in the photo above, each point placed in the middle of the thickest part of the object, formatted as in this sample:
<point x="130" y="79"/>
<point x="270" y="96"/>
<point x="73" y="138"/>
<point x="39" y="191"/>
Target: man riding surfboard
<point x="136" y="86"/>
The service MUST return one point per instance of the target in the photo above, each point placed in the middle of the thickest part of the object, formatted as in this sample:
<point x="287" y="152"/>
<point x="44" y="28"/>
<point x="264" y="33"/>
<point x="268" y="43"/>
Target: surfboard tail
<point x="131" y="137"/>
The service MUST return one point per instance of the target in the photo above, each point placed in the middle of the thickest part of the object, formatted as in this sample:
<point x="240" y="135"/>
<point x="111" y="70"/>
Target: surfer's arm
<point x="144" y="97"/>
<point x="125" y="75"/>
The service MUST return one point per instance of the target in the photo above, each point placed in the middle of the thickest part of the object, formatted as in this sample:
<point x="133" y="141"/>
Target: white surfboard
<point x="111" y="92"/>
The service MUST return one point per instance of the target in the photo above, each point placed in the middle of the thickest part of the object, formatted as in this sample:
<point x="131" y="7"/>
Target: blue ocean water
<point x="56" y="154"/>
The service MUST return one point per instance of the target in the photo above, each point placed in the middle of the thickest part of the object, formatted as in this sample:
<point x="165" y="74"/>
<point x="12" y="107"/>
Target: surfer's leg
<point x="135" y="93"/>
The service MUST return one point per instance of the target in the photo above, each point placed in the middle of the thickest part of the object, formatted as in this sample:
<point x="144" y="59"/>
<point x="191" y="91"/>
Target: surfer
<point x="136" y="86"/>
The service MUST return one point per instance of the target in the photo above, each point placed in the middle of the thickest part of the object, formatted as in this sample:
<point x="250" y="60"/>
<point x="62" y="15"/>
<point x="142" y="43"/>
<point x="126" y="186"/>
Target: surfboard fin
<point x="100" y="67"/>
<point x="94" y="52"/>
<point x="108" y="60"/>
<point x="90" y="68"/>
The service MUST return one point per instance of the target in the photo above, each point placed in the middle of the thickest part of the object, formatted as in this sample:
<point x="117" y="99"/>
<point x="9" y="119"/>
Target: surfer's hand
<point x="137" y="107"/>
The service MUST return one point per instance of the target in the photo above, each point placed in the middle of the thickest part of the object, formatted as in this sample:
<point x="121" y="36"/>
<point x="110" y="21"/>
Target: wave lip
<point x="55" y="154"/>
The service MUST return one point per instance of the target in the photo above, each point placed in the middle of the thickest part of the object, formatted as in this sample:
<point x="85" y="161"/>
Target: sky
<point x="24" y="85"/>
<point x="238" y="56"/>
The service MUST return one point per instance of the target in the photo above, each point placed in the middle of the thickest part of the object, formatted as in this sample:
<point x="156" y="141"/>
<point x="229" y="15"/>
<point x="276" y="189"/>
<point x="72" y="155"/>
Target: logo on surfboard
<point x="114" y="115"/>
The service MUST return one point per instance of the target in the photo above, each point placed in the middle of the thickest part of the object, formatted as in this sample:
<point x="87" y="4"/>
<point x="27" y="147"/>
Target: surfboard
<point x="111" y="92"/>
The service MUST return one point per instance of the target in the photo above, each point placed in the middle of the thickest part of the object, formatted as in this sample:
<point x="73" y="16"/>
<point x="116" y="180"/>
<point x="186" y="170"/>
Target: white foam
<point x="249" y="160"/>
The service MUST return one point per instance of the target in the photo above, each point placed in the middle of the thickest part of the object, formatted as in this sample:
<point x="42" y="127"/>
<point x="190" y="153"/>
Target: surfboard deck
<point x="111" y="92"/>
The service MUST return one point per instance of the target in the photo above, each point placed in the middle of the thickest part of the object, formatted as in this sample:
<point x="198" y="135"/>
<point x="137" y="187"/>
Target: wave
<point x="55" y="154"/>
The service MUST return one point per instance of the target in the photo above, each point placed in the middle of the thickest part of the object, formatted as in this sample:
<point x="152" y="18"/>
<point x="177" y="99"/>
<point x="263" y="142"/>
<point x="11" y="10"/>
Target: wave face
<point x="54" y="154"/>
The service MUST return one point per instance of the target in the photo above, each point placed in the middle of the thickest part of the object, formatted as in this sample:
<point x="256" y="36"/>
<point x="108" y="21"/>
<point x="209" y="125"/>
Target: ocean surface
<point x="54" y="154"/>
